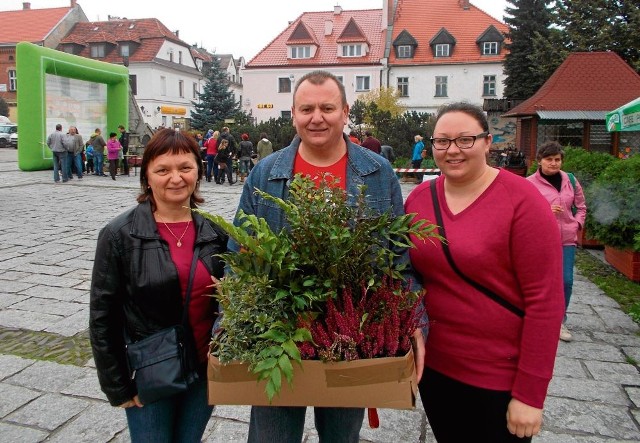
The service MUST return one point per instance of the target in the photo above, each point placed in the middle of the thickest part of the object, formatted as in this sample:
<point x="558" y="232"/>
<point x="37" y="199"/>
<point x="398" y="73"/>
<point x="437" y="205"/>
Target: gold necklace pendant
<point x="178" y="239"/>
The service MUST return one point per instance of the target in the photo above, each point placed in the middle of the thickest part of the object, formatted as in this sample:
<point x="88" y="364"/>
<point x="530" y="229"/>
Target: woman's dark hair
<point x="112" y="134"/>
<point x="472" y="110"/>
<point x="168" y="141"/>
<point x="549" y="148"/>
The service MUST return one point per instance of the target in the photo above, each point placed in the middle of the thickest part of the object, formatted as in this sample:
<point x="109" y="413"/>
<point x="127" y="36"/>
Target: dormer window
<point x="352" y="50"/>
<point x="301" y="52"/>
<point x="98" y="50"/>
<point x="405" y="45"/>
<point x="443" y="50"/>
<point x="125" y="49"/>
<point x="404" y="51"/>
<point x="490" y="48"/>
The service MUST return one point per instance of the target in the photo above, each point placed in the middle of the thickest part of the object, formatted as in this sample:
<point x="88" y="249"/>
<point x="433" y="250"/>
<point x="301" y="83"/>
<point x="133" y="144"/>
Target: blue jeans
<point x="74" y="160"/>
<point x="98" y="162"/>
<point x="212" y="167"/>
<point x="568" y="259"/>
<point x="270" y="424"/>
<point x="180" y="419"/>
<point x="60" y="166"/>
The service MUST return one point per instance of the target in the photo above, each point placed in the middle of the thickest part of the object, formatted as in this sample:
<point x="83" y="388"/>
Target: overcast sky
<point x="238" y="27"/>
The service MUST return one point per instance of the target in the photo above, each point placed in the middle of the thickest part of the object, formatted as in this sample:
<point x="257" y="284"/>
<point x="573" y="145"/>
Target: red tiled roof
<point x="423" y="19"/>
<point x="150" y="33"/>
<point x="368" y="20"/>
<point x="585" y="81"/>
<point x="29" y="25"/>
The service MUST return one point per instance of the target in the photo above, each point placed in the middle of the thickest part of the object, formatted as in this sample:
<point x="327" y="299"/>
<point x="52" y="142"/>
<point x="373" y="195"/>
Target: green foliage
<point x="278" y="277"/>
<point x="525" y="19"/>
<point x="614" y="203"/>
<point x="216" y="103"/>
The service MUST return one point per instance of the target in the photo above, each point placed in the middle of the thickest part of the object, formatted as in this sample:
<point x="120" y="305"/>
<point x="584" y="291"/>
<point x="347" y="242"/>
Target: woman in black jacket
<point x="140" y="274"/>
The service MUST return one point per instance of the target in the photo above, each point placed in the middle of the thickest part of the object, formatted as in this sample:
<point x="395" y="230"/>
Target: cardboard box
<point x="371" y="383"/>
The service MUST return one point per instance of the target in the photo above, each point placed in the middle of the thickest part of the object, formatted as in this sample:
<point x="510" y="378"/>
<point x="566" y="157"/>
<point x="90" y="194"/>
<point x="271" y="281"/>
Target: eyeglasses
<point x="463" y="142"/>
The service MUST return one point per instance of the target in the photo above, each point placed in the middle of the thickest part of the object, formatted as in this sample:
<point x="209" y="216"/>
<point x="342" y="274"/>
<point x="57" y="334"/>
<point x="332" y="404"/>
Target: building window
<point x="441" y="86"/>
<point x="351" y="50"/>
<point x="363" y="83"/>
<point x="68" y="48"/>
<point x="171" y="55"/>
<point x="180" y="57"/>
<point x="163" y="85"/>
<point x="133" y="84"/>
<point x="284" y="84"/>
<point x="195" y="90"/>
<point x="181" y="88"/>
<point x="300" y="51"/>
<point x="285" y="114"/>
<point x="490" y="48"/>
<point x="403" y="86"/>
<point x="442" y="50"/>
<point x="404" y="51"/>
<point x="97" y="51"/>
<point x="13" y="80"/>
<point x="489" y="85"/>
<point x="124" y="49"/>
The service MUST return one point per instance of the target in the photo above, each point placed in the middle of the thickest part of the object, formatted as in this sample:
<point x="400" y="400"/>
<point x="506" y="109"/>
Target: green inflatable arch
<point x="33" y="63"/>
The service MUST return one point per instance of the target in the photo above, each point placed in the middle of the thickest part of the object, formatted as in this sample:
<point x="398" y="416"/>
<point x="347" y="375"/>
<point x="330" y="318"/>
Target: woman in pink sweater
<point x="490" y="351"/>
<point x="113" y="150"/>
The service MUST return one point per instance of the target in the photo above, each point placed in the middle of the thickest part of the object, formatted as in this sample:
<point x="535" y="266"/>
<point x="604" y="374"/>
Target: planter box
<point x="371" y="383"/>
<point x="625" y="261"/>
<point x="588" y="243"/>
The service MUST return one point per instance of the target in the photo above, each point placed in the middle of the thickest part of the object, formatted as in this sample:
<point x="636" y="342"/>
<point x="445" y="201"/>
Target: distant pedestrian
<point x="419" y="153"/>
<point x="212" y="149"/>
<point x="387" y="152"/>
<point x="113" y="151"/>
<point x="74" y="152"/>
<point x="354" y="137"/>
<point x="244" y="157"/>
<point x="124" y="142"/>
<point x="264" y="146"/>
<point x="372" y="143"/>
<point x="98" y="144"/>
<point x="55" y="141"/>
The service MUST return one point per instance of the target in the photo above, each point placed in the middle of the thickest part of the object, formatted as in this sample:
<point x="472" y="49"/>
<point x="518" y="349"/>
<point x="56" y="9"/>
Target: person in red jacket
<point x="489" y="353"/>
<point x="212" y="149"/>
<point x="372" y="143"/>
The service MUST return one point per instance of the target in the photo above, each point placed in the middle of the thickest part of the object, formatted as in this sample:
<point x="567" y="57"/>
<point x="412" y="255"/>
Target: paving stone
<point x="32" y="321"/>
<point x="55" y="293"/>
<point x="227" y="431"/>
<point x="595" y="297"/>
<point x="71" y="325"/>
<point x="20" y="434"/>
<point x="617" y="339"/>
<point x="586" y="322"/>
<point x="52" y="280"/>
<point x="56" y="270"/>
<point x="569" y="367"/>
<point x="634" y="394"/>
<point x="13" y="287"/>
<point x="588" y="390"/>
<point x="395" y="425"/>
<point x="591" y="351"/>
<point x="7" y="300"/>
<point x="48" y="306"/>
<point x="13" y="275"/>
<point x="48" y="412"/>
<point x="87" y="386"/>
<point x="616" y="321"/>
<point x="590" y="417"/>
<point x="13" y="397"/>
<point x="98" y="423"/>
<point x="549" y="437"/>
<point x="620" y="373"/>
<point x="48" y="376"/>
<point x="235" y="413"/>
<point x="632" y="352"/>
<point x="10" y="365"/>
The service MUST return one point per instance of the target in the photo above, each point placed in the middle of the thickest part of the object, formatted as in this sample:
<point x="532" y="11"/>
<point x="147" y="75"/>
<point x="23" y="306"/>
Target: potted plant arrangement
<point x="587" y="167"/>
<point x="614" y="203"/>
<point x="328" y="289"/>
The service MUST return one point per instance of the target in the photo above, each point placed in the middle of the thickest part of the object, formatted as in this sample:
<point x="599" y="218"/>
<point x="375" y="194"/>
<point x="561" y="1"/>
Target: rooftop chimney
<point x="26" y="5"/>
<point x="177" y="33"/>
<point x="337" y="10"/>
<point x="464" y="4"/>
<point x="73" y="3"/>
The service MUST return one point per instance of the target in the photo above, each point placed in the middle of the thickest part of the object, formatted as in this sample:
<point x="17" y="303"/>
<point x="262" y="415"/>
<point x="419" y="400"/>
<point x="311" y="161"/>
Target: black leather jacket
<point x="135" y="282"/>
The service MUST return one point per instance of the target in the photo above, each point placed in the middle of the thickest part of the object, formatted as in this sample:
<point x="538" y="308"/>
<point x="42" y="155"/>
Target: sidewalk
<point x="47" y="244"/>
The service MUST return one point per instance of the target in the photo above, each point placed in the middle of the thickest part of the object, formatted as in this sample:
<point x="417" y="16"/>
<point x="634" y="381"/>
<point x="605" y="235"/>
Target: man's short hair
<point x="58" y="127"/>
<point x="318" y="78"/>
<point x="368" y="133"/>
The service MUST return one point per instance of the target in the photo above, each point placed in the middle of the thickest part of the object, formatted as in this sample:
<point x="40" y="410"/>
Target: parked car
<point x="14" y="140"/>
<point x="6" y="129"/>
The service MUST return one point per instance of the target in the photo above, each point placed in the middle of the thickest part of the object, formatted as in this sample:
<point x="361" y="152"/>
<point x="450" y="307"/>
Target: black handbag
<point x="165" y="363"/>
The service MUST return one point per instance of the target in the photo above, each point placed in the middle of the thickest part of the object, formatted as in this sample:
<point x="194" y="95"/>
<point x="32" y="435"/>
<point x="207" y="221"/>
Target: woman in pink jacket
<point x="113" y="150"/>
<point x="566" y="198"/>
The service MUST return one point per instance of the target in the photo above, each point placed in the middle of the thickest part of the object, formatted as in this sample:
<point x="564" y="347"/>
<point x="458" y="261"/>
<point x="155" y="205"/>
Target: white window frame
<point x="441" y="86"/>
<point x="490" y="48"/>
<point x="98" y="50"/>
<point x="403" y="86"/>
<point x="363" y="83"/>
<point x="354" y="50"/>
<point x="405" y="51"/>
<point x="13" y="80"/>
<point x="443" y="50"/>
<point x="125" y="50"/>
<point x="300" y="51"/>
<point x="489" y="85"/>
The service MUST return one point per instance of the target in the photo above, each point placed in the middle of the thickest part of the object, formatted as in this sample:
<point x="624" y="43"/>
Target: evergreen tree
<point x="526" y="19"/>
<point x="216" y="101"/>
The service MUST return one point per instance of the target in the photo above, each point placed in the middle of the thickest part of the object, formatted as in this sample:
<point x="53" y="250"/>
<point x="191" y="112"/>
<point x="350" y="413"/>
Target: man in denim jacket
<point x="319" y="113"/>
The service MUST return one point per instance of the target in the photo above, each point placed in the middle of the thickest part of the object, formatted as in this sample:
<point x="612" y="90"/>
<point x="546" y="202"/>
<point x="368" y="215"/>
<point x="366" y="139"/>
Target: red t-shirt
<point x="337" y="170"/>
<point x="201" y="306"/>
<point x="212" y="146"/>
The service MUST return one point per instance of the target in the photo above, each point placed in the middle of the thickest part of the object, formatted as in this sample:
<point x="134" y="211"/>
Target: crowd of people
<point x="485" y="363"/>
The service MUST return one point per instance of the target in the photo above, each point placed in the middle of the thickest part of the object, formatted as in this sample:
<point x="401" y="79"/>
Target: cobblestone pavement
<point x="47" y="240"/>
